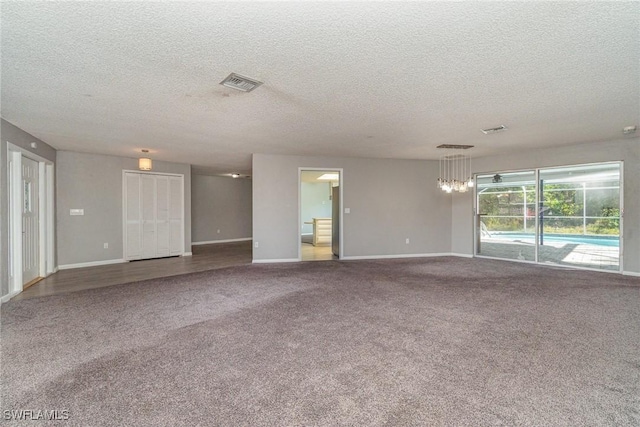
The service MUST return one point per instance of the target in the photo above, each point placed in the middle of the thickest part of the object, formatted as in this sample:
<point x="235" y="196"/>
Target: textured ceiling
<point x="382" y="79"/>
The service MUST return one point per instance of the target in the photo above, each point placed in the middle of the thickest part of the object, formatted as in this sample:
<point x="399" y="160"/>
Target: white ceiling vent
<point x="236" y="81"/>
<point x="494" y="130"/>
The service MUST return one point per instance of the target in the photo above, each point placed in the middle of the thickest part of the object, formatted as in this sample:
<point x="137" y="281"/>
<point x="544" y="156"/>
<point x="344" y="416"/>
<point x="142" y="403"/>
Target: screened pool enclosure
<point x="566" y="216"/>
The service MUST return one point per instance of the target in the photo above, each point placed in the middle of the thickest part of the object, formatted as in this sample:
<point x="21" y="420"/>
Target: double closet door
<point x="153" y="215"/>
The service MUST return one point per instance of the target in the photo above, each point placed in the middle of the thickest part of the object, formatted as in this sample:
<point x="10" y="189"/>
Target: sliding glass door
<point x="567" y="216"/>
<point x="505" y="220"/>
<point x="580" y="216"/>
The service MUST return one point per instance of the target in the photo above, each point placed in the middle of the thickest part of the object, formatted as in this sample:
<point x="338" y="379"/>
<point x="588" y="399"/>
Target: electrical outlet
<point x="106" y="246"/>
<point x="407" y="241"/>
<point x="256" y="244"/>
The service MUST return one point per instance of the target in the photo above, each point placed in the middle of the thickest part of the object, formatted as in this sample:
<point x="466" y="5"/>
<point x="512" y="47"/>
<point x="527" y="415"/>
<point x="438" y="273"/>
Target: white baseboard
<point x="363" y="257"/>
<point x="460" y="255"/>
<point x="395" y="256"/>
<point x="187" y="254"/>
<point x="269" y="261"/>
<point x="7" y="297"/>
<point x="209" y="242"/>
<point x="90" y="264"/>
<point x="631" y="273"/>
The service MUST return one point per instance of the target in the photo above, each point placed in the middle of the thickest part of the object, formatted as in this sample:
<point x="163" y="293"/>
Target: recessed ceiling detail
<point x="455" y="146"/>
<point x="236" y="81"/>
<point x="494" y="130"/>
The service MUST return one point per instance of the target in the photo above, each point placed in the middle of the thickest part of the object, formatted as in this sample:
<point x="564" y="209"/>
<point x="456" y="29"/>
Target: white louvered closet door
<point x="162" y="220"/>
<point x="148" y="199"/>
<point x="133" y="217"/>
<point x="176" y="222"/>
<point x="154" y="221"/>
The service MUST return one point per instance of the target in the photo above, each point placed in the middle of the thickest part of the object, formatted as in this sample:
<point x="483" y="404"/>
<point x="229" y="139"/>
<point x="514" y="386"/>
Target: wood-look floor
<point x="205" y="257"/>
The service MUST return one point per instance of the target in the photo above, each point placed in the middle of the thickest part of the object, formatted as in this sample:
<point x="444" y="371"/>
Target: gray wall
<point x="390" y="200"/>
<point x="20" y="138"/>
<point x="94" y="183"/>
<point x="315" y="203"/>
<point x="220" y="203"/>
<point x="627" y="150"/>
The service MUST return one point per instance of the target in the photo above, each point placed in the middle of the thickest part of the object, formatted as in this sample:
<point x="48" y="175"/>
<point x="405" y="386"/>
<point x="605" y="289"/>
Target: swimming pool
<point x="612" y="241"/>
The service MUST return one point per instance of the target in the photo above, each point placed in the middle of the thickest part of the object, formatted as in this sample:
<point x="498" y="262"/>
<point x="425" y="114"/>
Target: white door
<point x="176" y="223"/>
<point x="162" y="219"/>
<point x="133" y="216"/>
<point x="30" y="221"/>
<point x="153" y="215"/>
<point x="148" y="199"/>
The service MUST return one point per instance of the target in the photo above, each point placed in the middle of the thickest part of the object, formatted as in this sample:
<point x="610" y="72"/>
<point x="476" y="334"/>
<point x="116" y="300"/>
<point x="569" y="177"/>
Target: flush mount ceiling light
<point x="494" y="130"/>
<point x="629" y="130"/>
<point x="238" y="82"/>
<point x="329" y="177"/>
<point x="145" y="163"/>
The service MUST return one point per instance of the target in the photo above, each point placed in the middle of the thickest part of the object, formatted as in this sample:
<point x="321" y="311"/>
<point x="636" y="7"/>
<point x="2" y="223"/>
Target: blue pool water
<point x="613" y="241"/>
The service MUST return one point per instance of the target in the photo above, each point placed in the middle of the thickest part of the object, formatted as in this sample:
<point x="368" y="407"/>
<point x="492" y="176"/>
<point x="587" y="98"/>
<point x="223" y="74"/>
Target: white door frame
<point x="46" y="220"/>
<point x="341" y="184"/>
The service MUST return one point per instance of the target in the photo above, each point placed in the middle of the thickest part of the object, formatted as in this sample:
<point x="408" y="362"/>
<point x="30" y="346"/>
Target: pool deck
<point x="563" y="253"/>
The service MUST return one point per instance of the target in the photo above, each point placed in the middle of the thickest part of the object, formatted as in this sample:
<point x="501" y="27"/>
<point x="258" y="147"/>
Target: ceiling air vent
<point x="455" y="146"/>
<point x="236" y="81"/>
<point x="494" y="130"/>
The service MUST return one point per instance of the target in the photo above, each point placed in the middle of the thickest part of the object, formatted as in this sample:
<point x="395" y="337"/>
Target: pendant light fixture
<point x="455" y="170"/>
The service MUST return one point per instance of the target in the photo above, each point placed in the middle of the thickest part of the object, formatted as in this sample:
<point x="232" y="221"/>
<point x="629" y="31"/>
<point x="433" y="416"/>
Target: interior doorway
<point x="31" y="219"/>
<point x="319" y="214"/>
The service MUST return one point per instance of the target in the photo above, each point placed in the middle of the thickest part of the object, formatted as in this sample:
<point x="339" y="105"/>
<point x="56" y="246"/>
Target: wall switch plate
<point x="407" y="241"/>
<point x="256" y="244"/>
<point x="76" y="212"/>
<point x="347" y="210"/>
<point x="218" y="231"/>
<point x="106" y="246"/>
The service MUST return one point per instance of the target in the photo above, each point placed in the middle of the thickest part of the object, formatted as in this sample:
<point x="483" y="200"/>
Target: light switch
<point x="347" y="210"/>
<point x="76" y="212"/>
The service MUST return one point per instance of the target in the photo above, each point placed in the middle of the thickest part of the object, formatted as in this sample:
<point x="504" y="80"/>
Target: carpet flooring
<point x="416" y="342"/>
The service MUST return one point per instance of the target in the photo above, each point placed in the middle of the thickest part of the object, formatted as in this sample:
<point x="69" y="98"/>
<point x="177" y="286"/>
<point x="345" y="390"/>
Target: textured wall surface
<point x="221" y="208"/>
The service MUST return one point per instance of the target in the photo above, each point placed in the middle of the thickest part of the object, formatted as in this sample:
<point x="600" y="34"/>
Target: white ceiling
<point x="384" y="79"/>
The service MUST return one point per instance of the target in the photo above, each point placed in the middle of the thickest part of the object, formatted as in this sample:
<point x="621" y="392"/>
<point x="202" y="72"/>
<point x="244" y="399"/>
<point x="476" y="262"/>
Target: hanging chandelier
<point x="455" y="171"/>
